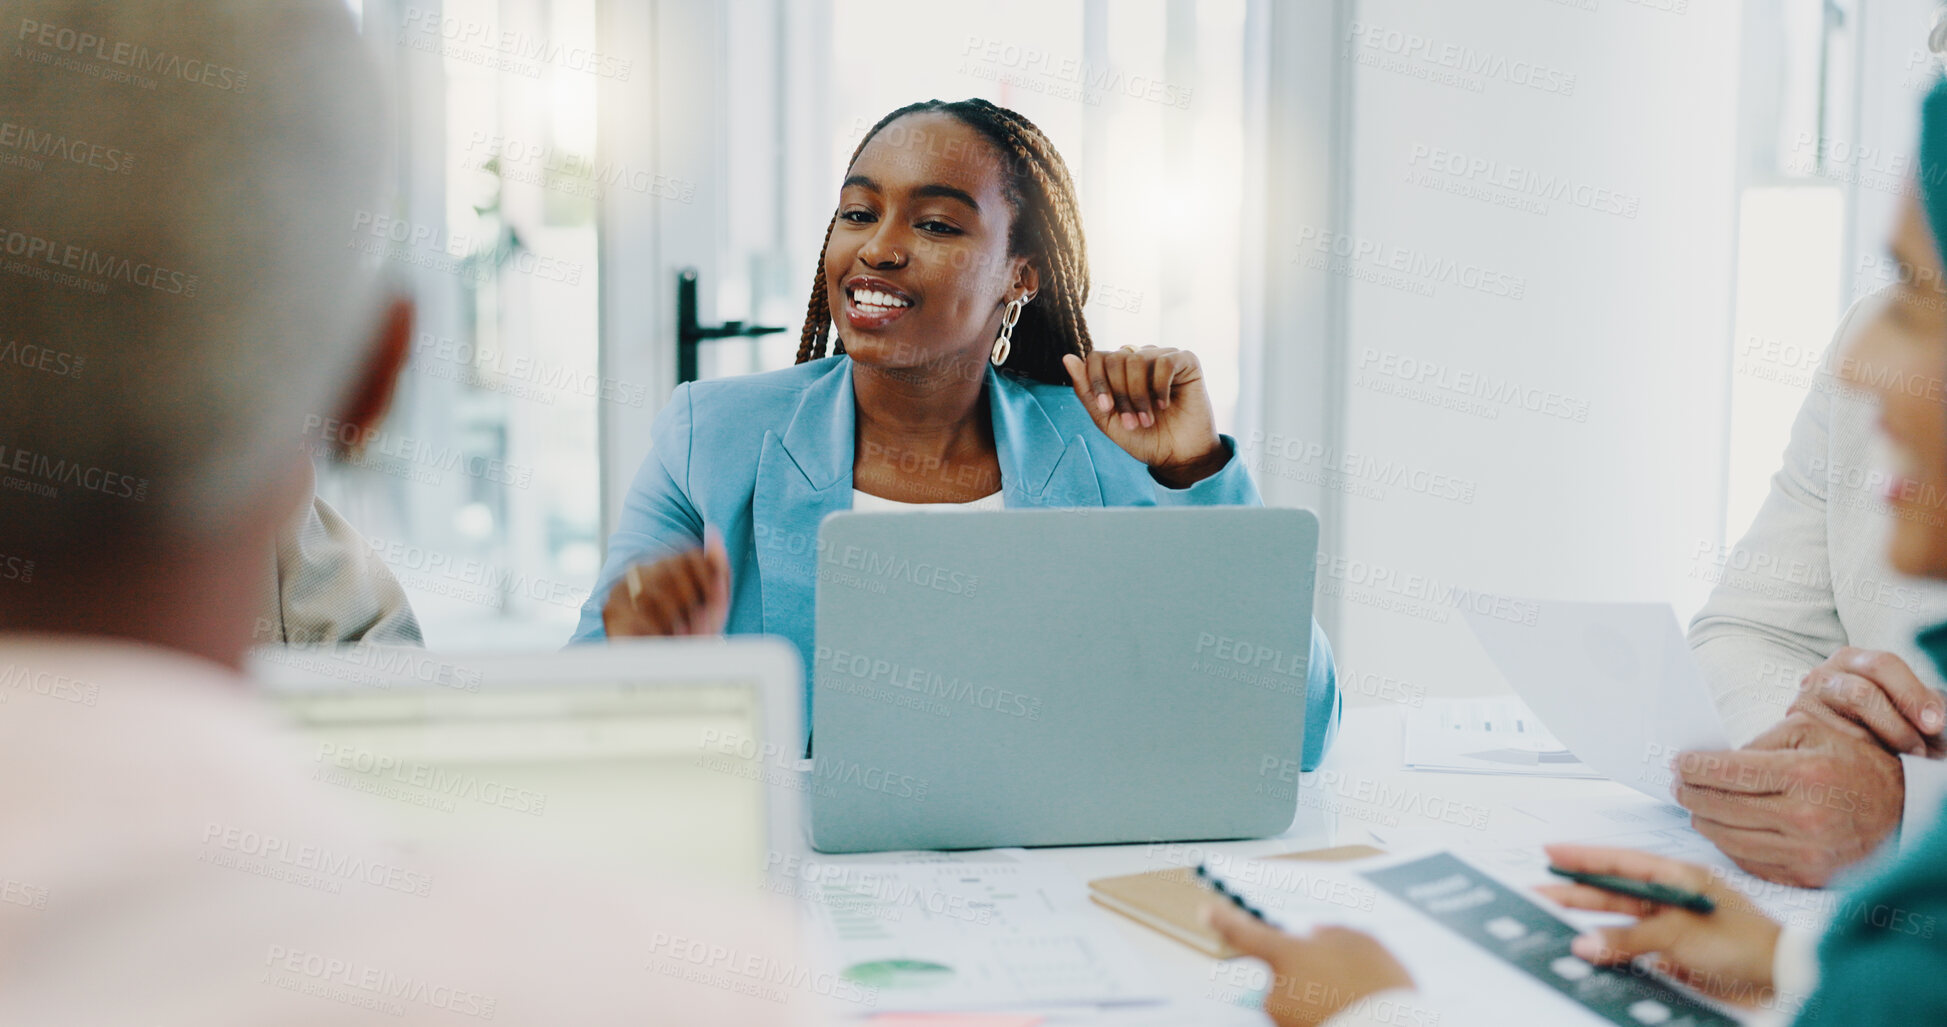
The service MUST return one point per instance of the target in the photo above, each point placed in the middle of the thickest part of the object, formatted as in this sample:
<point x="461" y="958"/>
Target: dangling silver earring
<point x="1009" y="317"/>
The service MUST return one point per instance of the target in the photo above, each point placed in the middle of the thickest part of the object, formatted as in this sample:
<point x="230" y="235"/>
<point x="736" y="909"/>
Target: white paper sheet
<point x="1488" y="735"/>
<point x="1614" y="681"/>
<point x="965" y="935"/>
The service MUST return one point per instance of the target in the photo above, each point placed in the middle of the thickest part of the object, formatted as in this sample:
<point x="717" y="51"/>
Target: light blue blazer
<point x="764" y="458"/>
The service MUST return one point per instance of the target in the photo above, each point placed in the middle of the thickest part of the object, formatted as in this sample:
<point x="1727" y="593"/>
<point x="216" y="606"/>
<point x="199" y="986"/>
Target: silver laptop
<point x="1059" y="677"/>
<point x="677" y="755"/>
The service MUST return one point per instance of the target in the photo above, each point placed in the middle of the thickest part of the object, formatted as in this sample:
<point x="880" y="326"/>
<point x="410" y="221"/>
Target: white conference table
<point x="1366" y="757"/>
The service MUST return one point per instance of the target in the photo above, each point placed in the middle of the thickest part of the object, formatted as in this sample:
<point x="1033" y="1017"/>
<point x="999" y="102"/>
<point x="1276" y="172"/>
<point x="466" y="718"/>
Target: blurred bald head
<point x="177" y="181"/>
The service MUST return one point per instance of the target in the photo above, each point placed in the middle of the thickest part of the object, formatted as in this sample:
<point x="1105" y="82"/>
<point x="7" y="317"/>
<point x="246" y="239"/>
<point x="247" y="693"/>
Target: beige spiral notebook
<point x="1168" y="900"/>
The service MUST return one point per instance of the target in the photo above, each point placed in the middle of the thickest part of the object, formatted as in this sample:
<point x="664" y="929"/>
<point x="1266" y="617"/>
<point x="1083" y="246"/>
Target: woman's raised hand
<point x="1152" y="403"/>
<point x="685" y="594"/>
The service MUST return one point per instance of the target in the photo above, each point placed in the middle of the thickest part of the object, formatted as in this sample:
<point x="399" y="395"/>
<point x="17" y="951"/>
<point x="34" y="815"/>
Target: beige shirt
<point x="325" y="585"/>
<point x="1810" y="576"/>
<point x="163" y="861"/>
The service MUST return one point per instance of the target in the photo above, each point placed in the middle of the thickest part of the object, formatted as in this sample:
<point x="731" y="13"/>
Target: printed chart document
<point x="1481" y="951"/>
<point x="970" y="936"/>
<point x="1513" y="850"/>
<point x="1490" y="735"/>
<point x="1614" y="681"/>
<point x="1659" y="827"/>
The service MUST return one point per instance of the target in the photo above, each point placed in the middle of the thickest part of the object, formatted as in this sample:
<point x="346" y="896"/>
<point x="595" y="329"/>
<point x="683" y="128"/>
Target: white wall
<point x="1812" y="212"/>
<point x="1618" y="323"/>
<point x="1894" y="71"/>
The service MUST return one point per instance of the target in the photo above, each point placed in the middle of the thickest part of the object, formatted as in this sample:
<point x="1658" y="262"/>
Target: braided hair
<point x="1046" y="228"/>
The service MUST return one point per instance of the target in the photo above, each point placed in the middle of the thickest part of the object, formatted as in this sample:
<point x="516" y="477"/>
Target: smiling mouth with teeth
<point x="871" y="301"/>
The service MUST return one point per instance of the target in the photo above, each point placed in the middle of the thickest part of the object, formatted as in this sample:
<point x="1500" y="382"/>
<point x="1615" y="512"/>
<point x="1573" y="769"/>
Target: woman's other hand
<point x="1315" y="977"/>
<point x="1727" y="953"/>
<point x="685" y="594"/>
<point x="1152" y="403"/>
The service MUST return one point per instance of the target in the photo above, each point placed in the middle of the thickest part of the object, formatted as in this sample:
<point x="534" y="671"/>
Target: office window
<point x="486" y="495"/>
<point x="1830" y="99"/>
<point x="1144" y="100"/>
<point x="482" y="492"/>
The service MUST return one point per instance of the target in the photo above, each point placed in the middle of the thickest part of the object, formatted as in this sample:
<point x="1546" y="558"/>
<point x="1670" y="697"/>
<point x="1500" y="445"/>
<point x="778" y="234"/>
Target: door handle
<point x="690" y="335"/>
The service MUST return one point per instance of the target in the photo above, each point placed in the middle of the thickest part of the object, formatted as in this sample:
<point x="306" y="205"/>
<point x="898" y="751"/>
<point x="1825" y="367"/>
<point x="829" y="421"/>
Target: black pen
<point x="1659" y="893"/>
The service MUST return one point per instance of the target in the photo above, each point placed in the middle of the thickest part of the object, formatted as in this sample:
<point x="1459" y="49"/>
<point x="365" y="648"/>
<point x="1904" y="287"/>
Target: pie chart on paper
<point x="899" y="974"/>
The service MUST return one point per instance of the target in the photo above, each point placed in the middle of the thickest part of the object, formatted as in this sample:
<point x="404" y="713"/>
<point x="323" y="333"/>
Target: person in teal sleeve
<point x="1882" y="957"/>
<point x="944" y="363"/>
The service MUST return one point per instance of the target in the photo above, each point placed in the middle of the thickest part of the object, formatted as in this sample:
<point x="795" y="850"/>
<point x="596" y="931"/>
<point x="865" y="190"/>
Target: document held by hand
<point x="1614" y="681"/>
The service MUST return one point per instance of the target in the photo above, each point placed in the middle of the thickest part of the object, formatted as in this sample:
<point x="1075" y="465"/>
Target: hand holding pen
<point x="1696" y="928"/>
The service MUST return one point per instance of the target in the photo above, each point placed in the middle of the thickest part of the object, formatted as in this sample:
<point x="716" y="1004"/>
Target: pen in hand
<point x="1662" y="894"/>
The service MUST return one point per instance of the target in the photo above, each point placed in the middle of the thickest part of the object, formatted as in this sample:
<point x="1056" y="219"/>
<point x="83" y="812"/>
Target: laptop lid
<point x="677" y="754"/>
<point x="1059" y="677"/>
